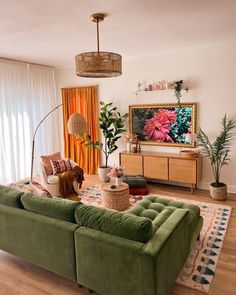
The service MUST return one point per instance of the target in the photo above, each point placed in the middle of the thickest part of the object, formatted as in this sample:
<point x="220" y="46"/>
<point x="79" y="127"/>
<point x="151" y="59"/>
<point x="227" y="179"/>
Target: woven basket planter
<point x="218" y="193"/>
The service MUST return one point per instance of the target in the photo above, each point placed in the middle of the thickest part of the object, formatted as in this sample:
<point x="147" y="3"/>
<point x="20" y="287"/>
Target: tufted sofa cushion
<point x="159" y="210"/>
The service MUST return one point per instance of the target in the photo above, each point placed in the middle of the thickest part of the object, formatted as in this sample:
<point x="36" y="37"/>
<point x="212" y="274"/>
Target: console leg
<point x="192" y="188"/>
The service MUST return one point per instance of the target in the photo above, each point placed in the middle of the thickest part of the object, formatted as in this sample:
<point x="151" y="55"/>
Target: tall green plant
<point x="112" y="125"/>
<point x="218" y="150"/>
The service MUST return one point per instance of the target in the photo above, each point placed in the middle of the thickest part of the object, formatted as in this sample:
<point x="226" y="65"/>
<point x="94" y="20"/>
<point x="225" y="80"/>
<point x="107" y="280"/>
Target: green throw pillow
<point x="10" y="197"/>
<point x="135" y="228"/>
<point x="56" y="207"/>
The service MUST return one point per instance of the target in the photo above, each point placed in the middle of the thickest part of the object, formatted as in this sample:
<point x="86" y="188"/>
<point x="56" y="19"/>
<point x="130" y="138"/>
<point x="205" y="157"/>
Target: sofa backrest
<point x="58" y="208"/>
<point x="10" y="197"/>
<point x="135" y="228"/>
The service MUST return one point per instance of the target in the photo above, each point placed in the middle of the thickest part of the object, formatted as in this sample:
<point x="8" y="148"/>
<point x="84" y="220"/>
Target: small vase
<point x="128" y="147"/>
<point x="118" y="181"/>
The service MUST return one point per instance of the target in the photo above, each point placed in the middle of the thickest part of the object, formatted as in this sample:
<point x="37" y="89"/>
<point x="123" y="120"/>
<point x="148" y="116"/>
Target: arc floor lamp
<point x="76" y="125"/>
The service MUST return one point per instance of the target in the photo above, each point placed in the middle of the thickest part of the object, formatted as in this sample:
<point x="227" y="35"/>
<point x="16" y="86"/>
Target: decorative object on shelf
<point x="218" y="154"/>
<point x="134" y="149"/>
<point x="138" y="145"/>
<point x="129" y="138"/>
<point x="112" y="124"/>
<point x="139" y="86"/>
<point x="170" y="85"/>
<point x="76" y="125"/>
<point x="178" y="87"/>
<point x="163" y="124"/>
<point x="98" y="64"/>
<point x="150" y="87"/>
<point x="159" y="86"/>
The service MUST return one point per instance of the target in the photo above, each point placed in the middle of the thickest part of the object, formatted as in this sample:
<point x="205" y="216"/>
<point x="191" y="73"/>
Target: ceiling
<point x="52" y="32"/>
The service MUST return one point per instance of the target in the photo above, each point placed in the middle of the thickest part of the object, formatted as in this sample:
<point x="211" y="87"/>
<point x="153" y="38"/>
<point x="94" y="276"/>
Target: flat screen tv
<point x="164" y="124"/>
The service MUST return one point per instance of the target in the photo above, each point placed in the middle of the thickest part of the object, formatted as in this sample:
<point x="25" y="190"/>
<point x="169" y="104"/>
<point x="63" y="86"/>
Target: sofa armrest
<point x="113" y="265"/>
<point x="73" y="163"/>
<point x="43" y="174"/>
<point x="110" y="264"/>
<point x="170" y="247"/>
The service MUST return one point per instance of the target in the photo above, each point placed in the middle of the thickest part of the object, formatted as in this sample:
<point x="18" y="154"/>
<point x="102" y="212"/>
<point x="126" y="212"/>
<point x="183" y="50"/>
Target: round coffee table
<point x="115" y="198"/>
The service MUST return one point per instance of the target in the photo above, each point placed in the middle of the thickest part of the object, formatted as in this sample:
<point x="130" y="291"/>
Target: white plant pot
<point x="218" y="193"/>
<point x="102" y="172"/>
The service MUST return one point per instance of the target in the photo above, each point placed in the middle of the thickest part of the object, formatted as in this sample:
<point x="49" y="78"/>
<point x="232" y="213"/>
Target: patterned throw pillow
<point x="40" y="190"/>
<point x="46" y="161"/>
<point x="59" y="166"/>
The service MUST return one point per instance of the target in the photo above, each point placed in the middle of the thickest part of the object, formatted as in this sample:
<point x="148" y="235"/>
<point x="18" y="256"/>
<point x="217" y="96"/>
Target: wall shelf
<point x="155" y="91"/>
<point x="148" y="91"/>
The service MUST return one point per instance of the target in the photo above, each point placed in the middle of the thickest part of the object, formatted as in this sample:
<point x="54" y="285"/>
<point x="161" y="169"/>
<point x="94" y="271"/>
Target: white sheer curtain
<point x="27" y="93"/>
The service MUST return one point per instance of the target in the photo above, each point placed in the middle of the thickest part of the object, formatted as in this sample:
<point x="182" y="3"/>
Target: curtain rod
<point x="74" y="87"/>
<point x="25" y="62"/>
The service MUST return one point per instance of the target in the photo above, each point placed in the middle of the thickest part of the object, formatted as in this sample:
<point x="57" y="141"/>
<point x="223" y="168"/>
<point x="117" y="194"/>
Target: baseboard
<point x="201" y="185"/>
<point x="205" y="185"/>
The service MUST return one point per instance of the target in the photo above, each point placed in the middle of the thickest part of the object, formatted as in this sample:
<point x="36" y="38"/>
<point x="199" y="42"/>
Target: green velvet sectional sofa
<point x="138" y="252"/>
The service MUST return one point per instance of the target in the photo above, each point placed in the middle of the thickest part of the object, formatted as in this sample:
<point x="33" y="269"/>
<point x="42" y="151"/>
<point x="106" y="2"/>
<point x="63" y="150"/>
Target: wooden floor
<point x="18" y="277"/>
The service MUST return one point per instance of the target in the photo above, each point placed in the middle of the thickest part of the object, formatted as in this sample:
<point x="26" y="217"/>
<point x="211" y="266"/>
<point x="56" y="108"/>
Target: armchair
<point x="51" y="182"/>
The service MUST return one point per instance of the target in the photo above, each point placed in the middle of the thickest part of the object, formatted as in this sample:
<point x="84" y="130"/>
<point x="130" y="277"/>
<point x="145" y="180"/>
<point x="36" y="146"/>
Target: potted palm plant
<point x="112" y="125"/>
<point x="217" y="152"/>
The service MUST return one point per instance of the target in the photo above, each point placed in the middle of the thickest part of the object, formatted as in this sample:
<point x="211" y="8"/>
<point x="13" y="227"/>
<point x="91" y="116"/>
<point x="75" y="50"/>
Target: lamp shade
<point x="98" y="64"/>
<point x="76" y="124"/>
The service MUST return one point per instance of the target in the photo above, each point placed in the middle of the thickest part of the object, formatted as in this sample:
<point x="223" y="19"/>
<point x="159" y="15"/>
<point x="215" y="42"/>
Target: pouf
<point x="135" y="181"/>
<point x="138" y="191"/>
<point x="137" y="185"/>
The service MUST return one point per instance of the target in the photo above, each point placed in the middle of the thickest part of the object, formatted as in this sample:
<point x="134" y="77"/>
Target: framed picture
<point x="164" y="124"/>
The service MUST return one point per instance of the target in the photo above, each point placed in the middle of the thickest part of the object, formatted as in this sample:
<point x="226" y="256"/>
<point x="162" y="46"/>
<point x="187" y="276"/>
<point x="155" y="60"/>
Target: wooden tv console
<point x="163" y="166"/>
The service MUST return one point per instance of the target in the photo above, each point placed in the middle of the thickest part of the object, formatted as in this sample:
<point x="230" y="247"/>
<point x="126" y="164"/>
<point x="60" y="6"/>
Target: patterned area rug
<point x="199" y="269"/>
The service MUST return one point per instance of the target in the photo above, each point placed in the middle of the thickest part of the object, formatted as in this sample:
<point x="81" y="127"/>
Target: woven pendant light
<point x="98" y="64"/>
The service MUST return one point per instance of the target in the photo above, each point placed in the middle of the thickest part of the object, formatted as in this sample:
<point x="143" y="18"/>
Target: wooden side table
<point x="115" y="198"/>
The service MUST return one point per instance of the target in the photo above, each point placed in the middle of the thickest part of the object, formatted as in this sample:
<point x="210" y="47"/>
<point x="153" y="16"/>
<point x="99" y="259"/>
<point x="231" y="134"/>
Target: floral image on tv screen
<point x="170" y="124"/>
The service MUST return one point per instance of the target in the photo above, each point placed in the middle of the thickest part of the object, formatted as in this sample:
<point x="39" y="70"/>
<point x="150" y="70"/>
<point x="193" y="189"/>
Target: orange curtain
<point x="83" y="100"/>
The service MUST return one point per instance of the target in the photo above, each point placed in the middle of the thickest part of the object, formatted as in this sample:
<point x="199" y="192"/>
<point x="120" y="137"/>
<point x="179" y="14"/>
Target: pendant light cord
<point x="98" y="35"/>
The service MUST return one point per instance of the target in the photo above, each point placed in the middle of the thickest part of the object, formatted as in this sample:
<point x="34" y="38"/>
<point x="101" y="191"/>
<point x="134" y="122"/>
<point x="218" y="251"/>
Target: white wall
<point x="210" y="72"/>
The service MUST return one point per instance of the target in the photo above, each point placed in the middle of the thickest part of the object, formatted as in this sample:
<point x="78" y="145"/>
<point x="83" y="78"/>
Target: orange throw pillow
<point x="46" y="161"/>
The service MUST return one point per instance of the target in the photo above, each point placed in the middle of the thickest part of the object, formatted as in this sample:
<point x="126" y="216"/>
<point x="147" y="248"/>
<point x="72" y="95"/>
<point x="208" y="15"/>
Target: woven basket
<point x="117" y="199"/>
<point x="218" y="193"/>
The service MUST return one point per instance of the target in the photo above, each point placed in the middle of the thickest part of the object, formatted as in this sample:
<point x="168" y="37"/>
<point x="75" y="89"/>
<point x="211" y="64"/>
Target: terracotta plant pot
<point x="218" y="193"/>
<point x="102" y="172"/>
